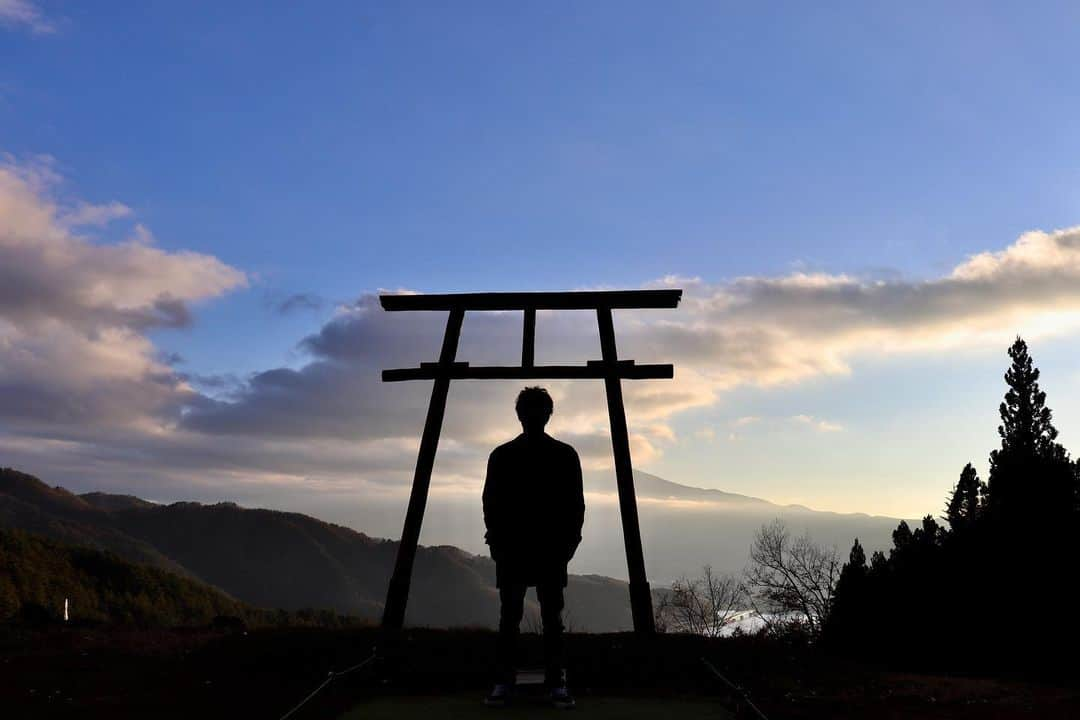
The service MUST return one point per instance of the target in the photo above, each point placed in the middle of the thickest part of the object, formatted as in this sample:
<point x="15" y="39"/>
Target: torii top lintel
<point x="602" y="301"/>
<point x="578" y="300"/>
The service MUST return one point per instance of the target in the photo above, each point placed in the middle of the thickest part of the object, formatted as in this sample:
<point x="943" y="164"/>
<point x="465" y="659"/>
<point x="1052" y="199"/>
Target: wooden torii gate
<point x="610" y="369"/>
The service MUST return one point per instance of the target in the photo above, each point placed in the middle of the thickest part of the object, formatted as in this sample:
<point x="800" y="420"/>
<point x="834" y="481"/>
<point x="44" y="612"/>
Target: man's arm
<point x="491" y="511"/>
<point x="576" y="507"/>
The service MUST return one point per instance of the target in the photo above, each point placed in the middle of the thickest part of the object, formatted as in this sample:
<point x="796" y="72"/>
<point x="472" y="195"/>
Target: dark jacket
<point x="534" y="508"/>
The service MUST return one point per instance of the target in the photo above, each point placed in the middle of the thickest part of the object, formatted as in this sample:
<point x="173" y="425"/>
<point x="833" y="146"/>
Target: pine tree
<point x="901" y="536"/>
<point x="965" y="501"/>
<point x="1030" y="472"/>
<point x="1026" y="427"/>
<point x="857" y="558"/>
<point x="929" y="534"/>
<point x="854" y="569"/>
<point x="850" y="602"/>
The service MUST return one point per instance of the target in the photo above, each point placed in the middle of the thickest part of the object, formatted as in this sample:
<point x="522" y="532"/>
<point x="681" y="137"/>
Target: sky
<point x="199" y="202"/>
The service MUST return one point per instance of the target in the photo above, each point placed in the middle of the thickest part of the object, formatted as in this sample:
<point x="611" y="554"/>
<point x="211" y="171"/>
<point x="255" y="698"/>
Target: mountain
<point x="37" y="576"/>
<point x="685" y="528"/>
<point x="270" y="558"/>
<point x="647" y="485"/>
<point x="275" y="559"/>
<point x="29" y="504"/>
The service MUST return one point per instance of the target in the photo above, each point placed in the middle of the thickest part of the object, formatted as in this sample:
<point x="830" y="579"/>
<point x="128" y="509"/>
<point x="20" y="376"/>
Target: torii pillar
<point x="609" y="368"/>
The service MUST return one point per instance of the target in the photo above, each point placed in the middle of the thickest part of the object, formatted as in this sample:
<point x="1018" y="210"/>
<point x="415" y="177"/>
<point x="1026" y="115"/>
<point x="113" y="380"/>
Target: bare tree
<point x="793" y="577"/>
<point x="703" y="606"/>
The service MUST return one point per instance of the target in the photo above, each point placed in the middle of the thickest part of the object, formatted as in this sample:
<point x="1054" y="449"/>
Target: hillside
<point x="281" y="559"/>
<point x="38" y="573"/>
<point x="276" y="559"/>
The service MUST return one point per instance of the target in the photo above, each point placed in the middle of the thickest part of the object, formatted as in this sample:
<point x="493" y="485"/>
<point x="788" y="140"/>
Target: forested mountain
<point x="37" y="576"/>
<point x="288" y="560"/>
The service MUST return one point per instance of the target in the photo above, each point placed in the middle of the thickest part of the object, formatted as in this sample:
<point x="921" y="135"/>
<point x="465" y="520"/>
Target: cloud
<point x="87" y="393"/>
<point x="296" y="302"/>
<point x="85" y="214"/>
<point x="73" y="313"/>
<point x="817" y="424"/>
<point x="23" y="13"/>
<point x="706" y="433"/>
<point x="769" y="330"/>
<point x="339" y="393"/>
<point x="759" y="331"/>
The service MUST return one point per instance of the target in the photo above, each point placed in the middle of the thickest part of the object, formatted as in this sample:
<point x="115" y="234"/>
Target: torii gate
<point x="609" y="369"/>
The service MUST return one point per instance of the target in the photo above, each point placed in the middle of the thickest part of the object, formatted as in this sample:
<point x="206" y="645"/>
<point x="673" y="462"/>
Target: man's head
<point x="534" y="408"/>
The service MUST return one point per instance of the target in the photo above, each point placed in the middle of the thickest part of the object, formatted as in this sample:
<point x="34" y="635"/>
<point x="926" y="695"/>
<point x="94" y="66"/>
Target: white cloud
<point x="747" y="423"/>
<point x="23" y="13"/>
<point x="85" y="214"/>
<point x="73" y="313"/>
<point x="817" y="423"/>
<point x="76" y="364"/>
<point x="765" y="331"/>
<point x="751" y="331"/>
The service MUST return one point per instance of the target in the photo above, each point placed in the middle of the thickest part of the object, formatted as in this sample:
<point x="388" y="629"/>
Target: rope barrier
<point x="331" y="676"/>
<point x="734" y="688"/>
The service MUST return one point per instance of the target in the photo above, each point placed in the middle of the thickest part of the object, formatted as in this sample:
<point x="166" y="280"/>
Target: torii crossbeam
<point x="609" y="368"/>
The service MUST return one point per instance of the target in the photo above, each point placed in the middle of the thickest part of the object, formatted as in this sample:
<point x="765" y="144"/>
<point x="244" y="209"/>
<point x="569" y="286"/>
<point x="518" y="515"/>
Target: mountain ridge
<point x="278" y="558"/>
<point x="648" y="485"/>
<point x="272" y="558"/>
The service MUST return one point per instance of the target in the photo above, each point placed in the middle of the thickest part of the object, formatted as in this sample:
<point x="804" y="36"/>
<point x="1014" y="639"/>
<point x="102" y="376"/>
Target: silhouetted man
<point x="534" y="508"/>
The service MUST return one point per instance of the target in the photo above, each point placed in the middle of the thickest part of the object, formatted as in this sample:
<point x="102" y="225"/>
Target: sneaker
<point x="498" y="696"/>
<point x="561" y="698"/>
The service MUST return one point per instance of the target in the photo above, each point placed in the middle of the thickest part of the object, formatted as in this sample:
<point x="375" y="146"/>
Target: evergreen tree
<point x="965" y="501"/>
<point x="1030" y="471"/>
<point x="1012" y="547"/>
<point x="929" y="534"/>
<point x="846" y="621"/>
<point x="1026" y="425"/>
<point x="857" y="558"/>
<point x="854" y="570"/>
<point x="901" y="536"/>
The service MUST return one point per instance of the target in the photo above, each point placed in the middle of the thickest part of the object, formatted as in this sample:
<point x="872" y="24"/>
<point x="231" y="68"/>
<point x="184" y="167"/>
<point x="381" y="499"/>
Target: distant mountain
<point x="647" y="485"/>
<point x="685" y="528"/>
<point x="277" y="559"/>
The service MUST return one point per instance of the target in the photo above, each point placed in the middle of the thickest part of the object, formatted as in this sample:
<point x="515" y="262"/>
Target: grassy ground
<point x="110" y="673"/>
<point x="467" y="705"/>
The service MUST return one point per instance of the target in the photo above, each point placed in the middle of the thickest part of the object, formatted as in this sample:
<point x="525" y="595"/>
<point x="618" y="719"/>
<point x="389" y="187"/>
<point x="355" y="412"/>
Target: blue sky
<point x="339" y="148"/>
